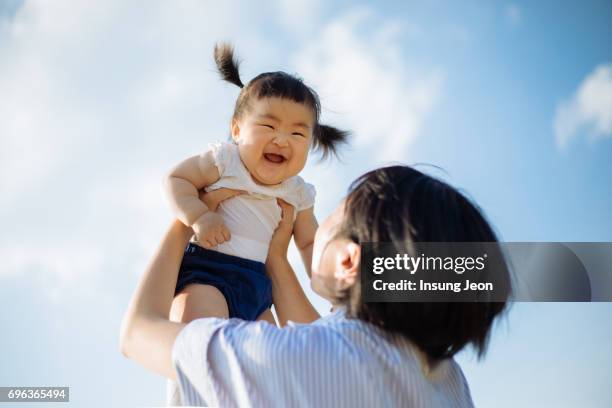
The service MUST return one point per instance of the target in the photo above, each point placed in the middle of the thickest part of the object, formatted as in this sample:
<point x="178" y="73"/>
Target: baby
<point x="274" y="125"/>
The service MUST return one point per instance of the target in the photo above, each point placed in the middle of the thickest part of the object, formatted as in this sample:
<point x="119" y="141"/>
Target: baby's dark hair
<point x="278" y="84"/>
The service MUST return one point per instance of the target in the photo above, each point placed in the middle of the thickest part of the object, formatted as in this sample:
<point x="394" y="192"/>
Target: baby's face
<point x="273" y="138"/>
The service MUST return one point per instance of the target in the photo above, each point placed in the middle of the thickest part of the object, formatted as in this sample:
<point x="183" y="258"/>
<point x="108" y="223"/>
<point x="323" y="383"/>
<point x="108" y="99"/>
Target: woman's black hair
<point x="326" y="139"/>
<point x="403" y="206"/>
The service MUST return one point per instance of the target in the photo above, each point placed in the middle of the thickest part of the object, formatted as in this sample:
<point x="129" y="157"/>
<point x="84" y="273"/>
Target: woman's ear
<point x="348" y="259"/>
<point x="235" y="129"/>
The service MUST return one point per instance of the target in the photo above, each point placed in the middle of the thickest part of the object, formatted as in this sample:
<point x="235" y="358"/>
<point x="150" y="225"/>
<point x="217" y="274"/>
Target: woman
<point x="363" y="354"/>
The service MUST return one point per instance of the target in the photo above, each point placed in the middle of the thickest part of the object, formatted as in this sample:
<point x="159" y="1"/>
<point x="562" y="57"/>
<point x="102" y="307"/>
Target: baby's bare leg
<point x="268" y="317"/>
<point x="197" y="300"/>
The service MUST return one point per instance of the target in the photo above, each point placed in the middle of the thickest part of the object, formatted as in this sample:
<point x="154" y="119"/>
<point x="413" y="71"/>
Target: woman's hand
<point x="289" y="299"/>
<point x="282" y="235"/>
<point x="213" y="198"/>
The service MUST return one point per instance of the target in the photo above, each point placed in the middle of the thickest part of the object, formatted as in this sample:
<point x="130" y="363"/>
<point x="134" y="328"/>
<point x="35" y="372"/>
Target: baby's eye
<point x="299" y="134"/>
<point x="267" y="126"/>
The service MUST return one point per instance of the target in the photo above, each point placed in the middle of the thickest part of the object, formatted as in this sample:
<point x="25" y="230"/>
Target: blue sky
<point x="513" y="100"/>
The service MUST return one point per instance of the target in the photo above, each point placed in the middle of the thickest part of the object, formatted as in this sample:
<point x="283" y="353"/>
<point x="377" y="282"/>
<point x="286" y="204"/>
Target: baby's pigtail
<point x="327" y="139"/>
<point x="227" y="64"/>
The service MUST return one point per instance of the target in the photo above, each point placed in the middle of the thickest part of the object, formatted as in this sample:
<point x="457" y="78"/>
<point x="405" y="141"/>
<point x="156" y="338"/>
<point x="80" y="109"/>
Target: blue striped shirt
<point x="333" y="362"/>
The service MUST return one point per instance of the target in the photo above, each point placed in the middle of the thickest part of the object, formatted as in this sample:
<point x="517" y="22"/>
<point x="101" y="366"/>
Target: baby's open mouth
<point x="274" y="158"/>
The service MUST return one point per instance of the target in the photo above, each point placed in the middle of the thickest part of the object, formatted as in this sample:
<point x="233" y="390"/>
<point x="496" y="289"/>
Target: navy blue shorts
<point x="244" y="282"/>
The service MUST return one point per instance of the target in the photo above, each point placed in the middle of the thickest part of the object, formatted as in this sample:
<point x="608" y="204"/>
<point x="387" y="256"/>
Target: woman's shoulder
<point x="331" y="331"/>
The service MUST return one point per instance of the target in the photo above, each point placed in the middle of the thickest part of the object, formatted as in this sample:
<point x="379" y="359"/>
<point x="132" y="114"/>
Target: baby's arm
<point x="181" y="188"/>
<point x="304" y="231"/>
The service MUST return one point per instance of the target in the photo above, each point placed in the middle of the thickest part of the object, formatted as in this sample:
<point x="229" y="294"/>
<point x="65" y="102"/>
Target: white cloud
<point x="59" y="268"/>
<point x="299" y="17"/>
<point x="513" y="15"/>
<point x="136" y="203"/>
<point x="356" y="66"/>
<point x="589" y="110"/>
<point x="118" y="227"/>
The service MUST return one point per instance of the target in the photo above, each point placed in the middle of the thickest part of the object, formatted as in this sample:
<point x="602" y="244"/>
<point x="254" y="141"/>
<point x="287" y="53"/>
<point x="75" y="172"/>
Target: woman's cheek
<point x="316" y="258"/>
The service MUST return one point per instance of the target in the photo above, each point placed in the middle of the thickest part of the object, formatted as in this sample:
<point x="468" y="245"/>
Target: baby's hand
<point x="210" y="230"/>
